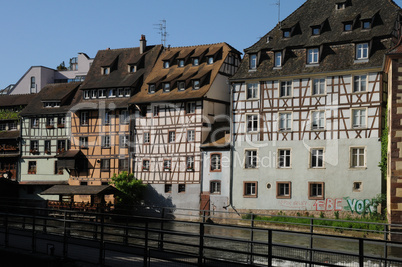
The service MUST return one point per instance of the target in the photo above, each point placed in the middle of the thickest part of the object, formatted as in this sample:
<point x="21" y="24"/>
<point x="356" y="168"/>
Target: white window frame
<point x="360" y="83"/>
<point x="172" y="136"/>
<point x="313" y="55"/>
<point x="191" y="107"/>
<point x="215" y="187"/>
<point x="190" y="135"/>
<point x="278" y="59"/>
<point x="253" y="90"/>
<point x="166" y="87"/>
<point x="317" y="120"/>
<point x="152" y="89"/>
<point x="250" y="159"/>
<point x="124" y="140"/>
<point x="167" y="165"/>
<point x="196" y="84"/>
<point x="354" y="123"/>
<point x="317" y="152"/>
<point x="86" y="94"/>
<point x="147" y="137"/>
<point x="190" y="163"/>
<point x="252" y="120"/>
<point x="250" y="191"/>
<point x="288" y="88"/>
<point x="102" y="93"/>
<point x="84" y="118"/>
<point x="284" y="160"/>
<point x="318" y="86"/>
<point x="215" y="162"/>
<point x="362" y="51"/>
<point x="124" y="116"/>
<point x="285" y="121"/>
<point x="105" y="141"/>
<point x="357" y="152"/>
<point x="253" y="61"/>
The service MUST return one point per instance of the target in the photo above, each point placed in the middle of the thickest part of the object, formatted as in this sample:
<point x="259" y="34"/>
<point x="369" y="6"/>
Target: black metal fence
<point x="110" y="240"/>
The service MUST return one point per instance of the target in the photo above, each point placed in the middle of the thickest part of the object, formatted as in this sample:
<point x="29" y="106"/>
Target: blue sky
<point x="47" y="32"/>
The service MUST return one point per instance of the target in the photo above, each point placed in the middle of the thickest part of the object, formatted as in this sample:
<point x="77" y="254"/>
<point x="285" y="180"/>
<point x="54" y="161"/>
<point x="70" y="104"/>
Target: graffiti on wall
<point x="297" y="205"/>
<point x="328" y="204"/>
<point x="360" y="206"/>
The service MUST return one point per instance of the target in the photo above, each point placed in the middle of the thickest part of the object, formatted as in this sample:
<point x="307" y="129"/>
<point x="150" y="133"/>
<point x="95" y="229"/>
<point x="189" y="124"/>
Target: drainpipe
<point x="231" y="145"/>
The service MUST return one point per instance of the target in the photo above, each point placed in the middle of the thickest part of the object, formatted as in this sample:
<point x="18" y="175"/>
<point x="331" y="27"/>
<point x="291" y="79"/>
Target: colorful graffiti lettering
<point x="328" y="205"/>
<point x="293" y="204"/>
<point x="361" y="205"/>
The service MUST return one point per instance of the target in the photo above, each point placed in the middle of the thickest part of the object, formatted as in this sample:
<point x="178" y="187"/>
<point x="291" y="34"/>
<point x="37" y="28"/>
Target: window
<point x="106" y="141"/>
<point x="362" y="51"/>
<point x="146" y="138"/>
<point x="286" y="33"/>
<point x="359" y="83"/>
<point x="33" y="85"/>
<point x="34" y="146"/>
<point x="86" y="94"/>
<point x="145" y="165"/>
<point x="252" y="90"/>
<point x="50" y="122"/>
<point x="31" y="167"/>
<point x="196" y="61"/>
<point x="181" y="86"/>
<point x="151" y="89"/>
<point x="83" y="142"/>
<point x="318" y="86"/>
<point x="12" y="126"/>
<point x="253" y="61"/>
<point x="102" y="93"/>
<point x="120" y="92"/>
<point x="250" y="189"/>
<point x="190" y="136"/>
<point x="124" y="141"/>
<point x="94" y="94"/>
<point x="358" y="118"/>
<point x="215" y="187"/>
<point x="252" y="123"/>
<point x="172" y="136"/>
<point x="112" y="93"/>
<point x="284" y="158"/>
<point x="106" y="118"/>
<point x="366" y="24"/>
<point x="166" y="64"/>
<point x="166" y="87"/>
<point x="105" y="164"/>
<point x="190" y="107"/>
<point x="3" y="126"/>
<point x="61" y="122"/>
<point x="58" y="170"/>
<point x="278" y="59"/>
<point x="168" y="188"/>
<point x="251" y="159"/>
<point x="181" y="63"/>
<point x="347" y="26"/>
<point x="182" y="188"/>
<point x="106" y="70"/>
<point x="127" y="92"/>
<point x="316" y="190"/>
<point x="132" y="68"/>
<point x="124" y="117"/>
<point x="61" y="146"/>
<point x="313" y="56"/>
<point x="215" y="163"/>
<point x="285" y="121"/>
<point x="190" y="163"/>
<point x="210" y="60"/>
<point x="317" y="158"/>
<point x="317" y="120"/>
<point x="357" y="157"/>
<point x="283" y="189"/>
<point x="84" y="118"/>
<point x="357" y="186"/>
<point x="286" y="89"/>
<point x="156" y="111"/>
<point x="123" y="164"/>
<point x="47" y="147"/>
<point x="196" y="84"/>
<point x="340" y="6"/>
<point x="167" y="165"/>
<point x="315" y="30"/>
<point x="35" y="123"/>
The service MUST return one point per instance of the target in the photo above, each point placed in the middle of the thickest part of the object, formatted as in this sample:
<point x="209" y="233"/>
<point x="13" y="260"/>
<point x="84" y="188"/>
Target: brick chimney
<point x="143" y="44"/>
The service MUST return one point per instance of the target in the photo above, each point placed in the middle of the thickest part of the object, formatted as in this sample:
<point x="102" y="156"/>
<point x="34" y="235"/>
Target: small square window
<point x="215" y="187"/>
<point x="166" y="64"/>
<point x="283" y="190"/>
<point x="316" y="30"/>
<point x="250" y="189"/>
<point x="166" y="87"/>
<point x="182" y="188"/>
<point x="196" y="84"/>
<point x="151" y="89"/>
<point x="366" y="24"/>
<point x="210" y="60"/>
<point x="357" y="186"/>
<point x="181" y="63"/>
<point x="168" y="188"/>
<point x="132" y="68"/>
<point x="313" y="56"/>
<point x="196" y="61"/>
<point x="315" y="190"/>
<point x="181" y="86"/>
<point x="123" y="164"/>
<point x="83" y="142"/>
<point x="286" y="33"/>
<point x="347" y="27"/>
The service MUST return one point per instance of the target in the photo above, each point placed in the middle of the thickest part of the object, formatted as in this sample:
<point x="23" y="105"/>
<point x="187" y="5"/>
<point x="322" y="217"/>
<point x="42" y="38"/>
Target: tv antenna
<point x="162" y="31"/>
<point x="278" y="3"/>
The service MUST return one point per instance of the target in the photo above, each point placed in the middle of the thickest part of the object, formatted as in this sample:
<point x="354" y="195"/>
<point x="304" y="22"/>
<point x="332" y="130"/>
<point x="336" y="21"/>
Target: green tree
<point x="132" y="189"/>
<point x="62" y="66"/>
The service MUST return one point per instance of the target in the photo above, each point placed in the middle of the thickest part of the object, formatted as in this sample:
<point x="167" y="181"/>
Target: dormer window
<point x="151" y="89"/>
<point x="340" y="6"/>
<point x="313" y="56"/>
<point x="166" y="87"/>
<point x="132" y="68"/>
<point x="181" y="63"/>
<point x="253" y="61"/>
<point x="181" y="86"/>
<point x="112" y="93"/>
<point x="196" y="61"/>
<point x="94" y="94"/>
<point x="51" y="104"/>
<point x="210" y="60"/>
<point x="278" y="60"/>
<point x="286" y="33"/>
<point x="166" y="64"/>
<point x="106" y="70"/>
<point x="102" y="93"/>
<point x="347" y="26"/>
<point x="315" y="30"/>
<point x="366" y="24"/>
<point x="86" y="94"/>
<point x="196" y="84"/>
<point x="362" y="51"/>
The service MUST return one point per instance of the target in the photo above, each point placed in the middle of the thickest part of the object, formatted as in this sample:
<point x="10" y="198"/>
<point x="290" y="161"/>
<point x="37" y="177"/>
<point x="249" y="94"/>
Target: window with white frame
<point x="250" y="189"/>
<point x="151" y="89"/>
<point x="362" y="51"/>
<point x="285" y="121"/>
<point x="359" y="118"/>
<point x="318" y="120"/>
<point x="317" y="158"/>
<point x="94" y="94"/>
<point x="145" y="165"/>
<point x="83" y="142"/>
<point x="357" y="157"/>
<point x="34" y="122"/>
<point x="166" y="87"/>
<point x="284" y="158"/>
<point x="190" y="107"/>
<point x="190" y="135"/>
<point x="84" y="118"/>
<point x="156" y="111"/>
<point x="196" y="84"/>
<point x="106" y="141"/>
<point x="124" y="116"/>
<point x="34" y="147"/>
<point x="316" y="190"/>
<point x="190" y="163"/>
<point x="102" y="93"/>
<point x="172" y="136"/>
<point x="215" y="162"/>
<point x="112" y="92"/>
<point x="123" y="165"/>
<point x="127" y="92"/>
<point x="313" y="56"/>
<point x="250" y="159"/>
<point x="286" y="89"/>
<point x="278" y="59"/>
<point x="252" y="123"/>
<point x="120" y="92"/>
<point x="253" y="61"/>
<point x="283" y="189"/>
<point x="167" y="165"/>
<point x="360" y="83"/>
<point x="252" y="90"/>
<point x="106" y="117"/>
<point x="86" y="94"/>
<point x="318" y="86"/>
<point x="50" y="122"/>
<point x="105" y="164"/>
<point x="146" y="138"/>
<point x="215" y="187"/>
<point x="124" y="140"/>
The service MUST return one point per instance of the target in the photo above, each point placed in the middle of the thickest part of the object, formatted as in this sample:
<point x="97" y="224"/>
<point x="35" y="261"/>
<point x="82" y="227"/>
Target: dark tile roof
<point x="335" y="56"/>
<point x="80" y="190"/>
<point x="218" y="137"/>
<point x="206" y="73"/>
<point x="7" y="101"/>
<point x="63" y="92"/>
<point x="9" y="134"/>
<point x="118" y="60"/>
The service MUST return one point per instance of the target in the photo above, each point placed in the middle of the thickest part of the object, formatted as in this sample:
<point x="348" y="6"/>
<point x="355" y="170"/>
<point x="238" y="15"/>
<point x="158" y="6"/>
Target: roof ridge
<point x="221" y="43"/>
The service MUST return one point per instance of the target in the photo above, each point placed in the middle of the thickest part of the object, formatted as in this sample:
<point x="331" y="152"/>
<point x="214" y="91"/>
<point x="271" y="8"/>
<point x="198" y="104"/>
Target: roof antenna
<point x="278" y="3"/>
<point x="162" y="31"/>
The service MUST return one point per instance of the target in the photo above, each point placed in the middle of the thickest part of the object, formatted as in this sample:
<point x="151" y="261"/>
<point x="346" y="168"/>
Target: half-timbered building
<point x="100" y="117"/>
<point x="45" y="134"/>
<point x="185" y="94"/>
<point x="308" y="107"/>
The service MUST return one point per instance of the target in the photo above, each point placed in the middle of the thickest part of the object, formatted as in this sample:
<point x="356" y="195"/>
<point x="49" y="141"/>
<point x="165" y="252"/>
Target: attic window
<point x="151" y="89"/>
<point x="340" y="6"/>
<point x="196" y="84"/>
<point x="106" y="70"/>
<point x="210" y="60"/>
<point x="132" y="68"/>
<point x="166" y="87"/>
<point x="166" y="64"/>
<point x="196" y="61"/>
<point x="181" y="63"/>
<point x="366" y="24"/>
<point x="51" y="104"/>
<point x="347" y="26"/>
<point x="286" y="33"/>
<point x="316" y="30"/>
<point x="253" y="61"/>
<point x="181" y="86"/>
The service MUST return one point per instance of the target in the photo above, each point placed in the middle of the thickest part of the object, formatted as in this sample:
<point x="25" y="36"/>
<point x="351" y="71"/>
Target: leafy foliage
<point x="384" y="149"/>
<point x="62" y="66"/>
<point x="8" y="114"/>
<point x="132" y="189"/>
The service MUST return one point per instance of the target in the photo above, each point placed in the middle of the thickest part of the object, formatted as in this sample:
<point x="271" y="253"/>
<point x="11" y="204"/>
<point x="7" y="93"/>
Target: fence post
<point x="33" y="233"/>
<point x="385" y="244"/>
<point x="125" y="239"/>
<point x="361" y="252"/>
<point x="251" y="258"/>
<point x="146" y="245"/>
<point x="269" y="248"/>
<point x="201" y="245"/>
<point x="311" y="241"/>
<point x="101" y="248"/>
<point x="66" y="233"/>
<point x="161" y="234"/>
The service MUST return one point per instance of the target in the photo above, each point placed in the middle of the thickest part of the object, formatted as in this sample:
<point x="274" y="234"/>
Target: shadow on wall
<point x="155" y="204"/>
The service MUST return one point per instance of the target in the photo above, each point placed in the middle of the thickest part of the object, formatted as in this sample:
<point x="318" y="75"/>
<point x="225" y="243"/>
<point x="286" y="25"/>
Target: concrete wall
<point x="42" y="76"/>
